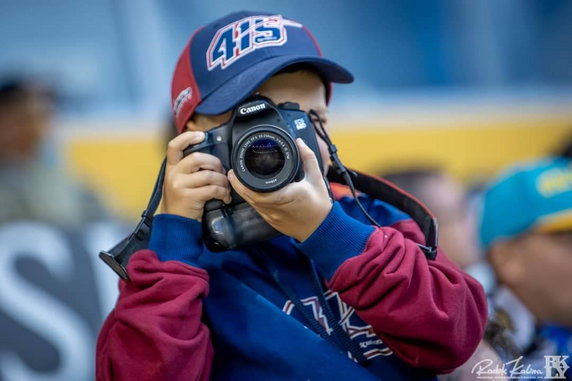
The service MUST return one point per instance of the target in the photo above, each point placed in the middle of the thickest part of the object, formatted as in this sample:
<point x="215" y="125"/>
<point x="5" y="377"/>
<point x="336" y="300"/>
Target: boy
<point x="335" y="298"/>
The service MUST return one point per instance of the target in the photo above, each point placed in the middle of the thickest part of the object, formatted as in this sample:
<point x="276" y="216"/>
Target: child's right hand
<point x="193" y="180"/>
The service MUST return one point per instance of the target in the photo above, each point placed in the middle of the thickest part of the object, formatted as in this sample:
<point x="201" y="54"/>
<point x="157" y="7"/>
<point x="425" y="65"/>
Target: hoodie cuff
<point x="338" y="238"/>
<point x="176" y="238"/>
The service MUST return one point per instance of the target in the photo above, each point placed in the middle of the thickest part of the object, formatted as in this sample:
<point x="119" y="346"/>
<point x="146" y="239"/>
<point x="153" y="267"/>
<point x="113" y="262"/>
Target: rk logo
<point x="556" y="366"/>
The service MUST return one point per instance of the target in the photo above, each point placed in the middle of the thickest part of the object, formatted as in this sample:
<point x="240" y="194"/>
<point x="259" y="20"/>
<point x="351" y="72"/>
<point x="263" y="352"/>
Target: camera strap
<point x="380" y="189"/>
<point x="118" y="256"/>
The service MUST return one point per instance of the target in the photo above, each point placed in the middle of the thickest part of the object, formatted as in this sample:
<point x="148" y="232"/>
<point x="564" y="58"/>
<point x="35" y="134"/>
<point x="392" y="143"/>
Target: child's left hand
<point x="297" y="209"/>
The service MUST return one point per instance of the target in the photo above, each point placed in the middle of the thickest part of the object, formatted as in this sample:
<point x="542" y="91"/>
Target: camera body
<point x="258" y="143"/>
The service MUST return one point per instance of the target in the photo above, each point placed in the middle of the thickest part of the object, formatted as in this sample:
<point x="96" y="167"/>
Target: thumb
<point x="311" y="165"/>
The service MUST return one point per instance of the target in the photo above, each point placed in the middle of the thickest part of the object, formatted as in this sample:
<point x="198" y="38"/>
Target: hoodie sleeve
<point x="429" y="312"/>
<point x="155" y="331"/>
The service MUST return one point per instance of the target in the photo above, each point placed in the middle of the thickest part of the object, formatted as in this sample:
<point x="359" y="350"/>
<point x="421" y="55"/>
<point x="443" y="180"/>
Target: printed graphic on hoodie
<point x="356" y="329"/>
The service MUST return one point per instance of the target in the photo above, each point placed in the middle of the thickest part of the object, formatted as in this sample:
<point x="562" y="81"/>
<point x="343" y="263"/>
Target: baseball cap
<point x="227" y="60"/>
<point x="536" y="196"/>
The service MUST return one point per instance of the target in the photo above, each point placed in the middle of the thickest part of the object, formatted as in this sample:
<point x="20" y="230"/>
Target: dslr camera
<point x="258" y="143"/>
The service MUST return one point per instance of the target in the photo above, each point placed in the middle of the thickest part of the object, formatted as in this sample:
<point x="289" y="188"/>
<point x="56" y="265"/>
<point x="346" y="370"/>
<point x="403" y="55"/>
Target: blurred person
<point x="29" y="187"/>
<point x="457" y="237"/>
<point x="456" y="215"/>
<point x="526" y="230"/>
<point x="332" y="298"/>
<point x="448" y="201"/>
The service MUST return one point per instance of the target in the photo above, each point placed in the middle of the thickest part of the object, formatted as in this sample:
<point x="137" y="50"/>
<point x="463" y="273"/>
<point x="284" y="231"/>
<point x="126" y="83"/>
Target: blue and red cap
<point x="227" y="60"/>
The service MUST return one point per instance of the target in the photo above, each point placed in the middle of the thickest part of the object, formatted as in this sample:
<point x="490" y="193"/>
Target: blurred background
<point x="468" y="87"/>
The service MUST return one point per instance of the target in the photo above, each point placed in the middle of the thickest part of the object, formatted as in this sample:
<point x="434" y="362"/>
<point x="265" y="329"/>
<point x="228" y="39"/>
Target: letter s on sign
<point x="20" y="300"/>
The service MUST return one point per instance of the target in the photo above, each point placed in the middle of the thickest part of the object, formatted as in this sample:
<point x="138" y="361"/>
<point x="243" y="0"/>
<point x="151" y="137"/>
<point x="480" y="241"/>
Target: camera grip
<point x="213" y="204"/>
<point x="227" y="230"/>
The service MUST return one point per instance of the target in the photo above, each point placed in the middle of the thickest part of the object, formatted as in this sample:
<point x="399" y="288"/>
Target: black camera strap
<point x="380" y="189"/>
<point x="118" y="256"/>
<point x="384" y="190"/>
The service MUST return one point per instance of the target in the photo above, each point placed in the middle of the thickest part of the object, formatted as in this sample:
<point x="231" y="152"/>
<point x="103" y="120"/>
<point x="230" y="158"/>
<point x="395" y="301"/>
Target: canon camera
<point x="258" y="143"/>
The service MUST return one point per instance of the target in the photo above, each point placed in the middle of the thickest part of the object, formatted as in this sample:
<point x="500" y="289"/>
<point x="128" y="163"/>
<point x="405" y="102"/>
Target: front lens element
<point x="264" y="158"/>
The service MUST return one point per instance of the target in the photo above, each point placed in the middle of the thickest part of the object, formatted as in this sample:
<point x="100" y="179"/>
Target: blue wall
<point x="111" y="57"/>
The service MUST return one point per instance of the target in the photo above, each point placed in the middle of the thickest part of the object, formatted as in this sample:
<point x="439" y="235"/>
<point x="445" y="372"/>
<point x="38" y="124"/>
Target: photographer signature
<point x="487" y="368"/>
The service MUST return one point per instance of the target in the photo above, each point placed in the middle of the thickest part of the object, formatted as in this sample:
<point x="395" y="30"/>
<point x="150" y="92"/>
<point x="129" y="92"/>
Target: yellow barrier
<point x="123" y="168"/>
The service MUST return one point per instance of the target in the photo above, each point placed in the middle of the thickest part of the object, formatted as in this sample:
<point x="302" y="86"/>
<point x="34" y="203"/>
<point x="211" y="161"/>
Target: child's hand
<point x="297" y="209"/>
<point x="193" y="180"/>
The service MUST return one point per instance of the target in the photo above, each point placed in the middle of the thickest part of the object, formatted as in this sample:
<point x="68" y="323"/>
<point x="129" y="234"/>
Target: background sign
<point x="54" y="295"/>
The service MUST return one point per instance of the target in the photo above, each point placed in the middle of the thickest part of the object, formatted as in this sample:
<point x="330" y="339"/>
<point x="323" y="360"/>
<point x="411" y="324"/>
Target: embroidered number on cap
<point x="244" y="36"/>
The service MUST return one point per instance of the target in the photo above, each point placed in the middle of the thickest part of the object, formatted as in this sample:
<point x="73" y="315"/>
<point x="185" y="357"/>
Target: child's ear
<point x="190" y="126"/>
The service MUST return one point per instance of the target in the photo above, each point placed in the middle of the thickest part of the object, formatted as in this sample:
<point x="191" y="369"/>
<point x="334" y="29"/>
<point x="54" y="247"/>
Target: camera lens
<point x="264" y="158"/>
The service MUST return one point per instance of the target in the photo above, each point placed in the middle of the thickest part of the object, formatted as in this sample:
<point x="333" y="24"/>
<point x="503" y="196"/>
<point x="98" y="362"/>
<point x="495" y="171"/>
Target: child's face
<point x="302" y="87"/>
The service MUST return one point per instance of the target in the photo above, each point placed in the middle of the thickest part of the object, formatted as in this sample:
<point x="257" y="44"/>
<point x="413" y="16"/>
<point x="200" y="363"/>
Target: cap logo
<point x="242" y="37"/>
<point x="554" y="182"/>
<point x="181" y="99"/>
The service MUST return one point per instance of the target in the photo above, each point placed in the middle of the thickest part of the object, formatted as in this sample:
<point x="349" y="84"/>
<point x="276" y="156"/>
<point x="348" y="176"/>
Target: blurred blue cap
<point x="535" y="196"/>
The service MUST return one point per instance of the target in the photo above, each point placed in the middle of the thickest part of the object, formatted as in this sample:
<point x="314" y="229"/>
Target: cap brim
<point x="555" y="222"/>
<point x="237" y="89"/>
